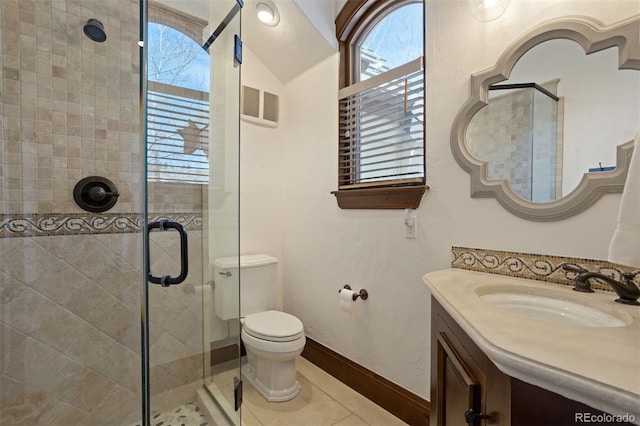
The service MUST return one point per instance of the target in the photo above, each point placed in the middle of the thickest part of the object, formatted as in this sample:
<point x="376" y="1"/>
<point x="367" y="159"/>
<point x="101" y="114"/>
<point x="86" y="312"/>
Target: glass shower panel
<point x="222" y="308"/>
<point x="192" y="179"/>
<point x="546" y="170"/>
<point x="70" y="276"/>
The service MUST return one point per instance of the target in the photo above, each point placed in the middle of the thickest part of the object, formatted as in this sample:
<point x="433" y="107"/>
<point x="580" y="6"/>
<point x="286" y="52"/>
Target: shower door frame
<point x="144" y="297"/>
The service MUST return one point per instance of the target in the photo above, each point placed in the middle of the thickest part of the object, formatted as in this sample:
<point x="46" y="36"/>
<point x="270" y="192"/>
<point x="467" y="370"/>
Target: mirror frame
<point x="593" y="36"/>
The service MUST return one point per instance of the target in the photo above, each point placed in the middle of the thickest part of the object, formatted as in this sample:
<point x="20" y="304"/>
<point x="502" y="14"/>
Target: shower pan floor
<point x="188" y="414"/>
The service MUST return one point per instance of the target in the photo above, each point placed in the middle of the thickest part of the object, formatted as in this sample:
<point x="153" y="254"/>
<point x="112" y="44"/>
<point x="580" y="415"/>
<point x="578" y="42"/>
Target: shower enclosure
<point x="106" y="304"/>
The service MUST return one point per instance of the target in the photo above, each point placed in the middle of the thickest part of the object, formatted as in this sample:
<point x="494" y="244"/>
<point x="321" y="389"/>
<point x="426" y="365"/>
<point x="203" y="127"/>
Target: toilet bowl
<point x="272" y="339"/>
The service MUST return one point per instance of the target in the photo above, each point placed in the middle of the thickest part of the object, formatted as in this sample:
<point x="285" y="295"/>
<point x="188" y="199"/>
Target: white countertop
<point x="599" y="367"/>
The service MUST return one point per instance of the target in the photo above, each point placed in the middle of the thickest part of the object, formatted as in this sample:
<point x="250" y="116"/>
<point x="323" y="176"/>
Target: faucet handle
<point x="629" y="276"/>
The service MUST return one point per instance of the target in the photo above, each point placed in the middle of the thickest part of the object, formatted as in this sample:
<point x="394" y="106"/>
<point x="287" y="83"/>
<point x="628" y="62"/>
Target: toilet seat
<point x="273" y="326"/>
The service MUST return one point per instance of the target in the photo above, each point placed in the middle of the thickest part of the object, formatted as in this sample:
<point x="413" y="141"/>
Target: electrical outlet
<point x="411" y="227"/>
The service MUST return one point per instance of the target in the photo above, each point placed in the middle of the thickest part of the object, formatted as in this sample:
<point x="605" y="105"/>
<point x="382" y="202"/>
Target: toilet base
<point x="249" y="372"/>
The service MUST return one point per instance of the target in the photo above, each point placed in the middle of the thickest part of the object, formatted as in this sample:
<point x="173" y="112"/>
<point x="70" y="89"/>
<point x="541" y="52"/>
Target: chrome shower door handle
<point x="166" y="280"/>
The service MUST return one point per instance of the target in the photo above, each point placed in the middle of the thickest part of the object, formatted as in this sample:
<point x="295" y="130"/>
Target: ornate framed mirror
<point x="549" y="129"/>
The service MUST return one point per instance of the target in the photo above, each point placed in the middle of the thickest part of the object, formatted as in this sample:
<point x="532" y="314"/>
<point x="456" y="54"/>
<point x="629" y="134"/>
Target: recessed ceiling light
<point x="267" y="13"/>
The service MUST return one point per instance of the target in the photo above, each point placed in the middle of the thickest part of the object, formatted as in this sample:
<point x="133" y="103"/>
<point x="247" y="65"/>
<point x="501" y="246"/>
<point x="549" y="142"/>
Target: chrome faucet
<point x="627" y="290"/>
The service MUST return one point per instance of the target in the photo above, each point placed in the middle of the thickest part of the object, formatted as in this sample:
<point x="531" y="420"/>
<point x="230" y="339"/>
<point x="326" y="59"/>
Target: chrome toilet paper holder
<point x="363" y="294"/>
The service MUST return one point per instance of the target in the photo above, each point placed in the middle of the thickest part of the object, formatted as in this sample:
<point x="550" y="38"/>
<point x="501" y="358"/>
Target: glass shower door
<point x="223" y="377"/>
<point x="192" y="179"/>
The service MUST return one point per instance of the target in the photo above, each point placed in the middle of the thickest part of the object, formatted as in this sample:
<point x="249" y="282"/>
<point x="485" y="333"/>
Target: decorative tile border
<point x="532" y="266"/>
<point x="37" y="225"/>
<point x="190" y="221"/>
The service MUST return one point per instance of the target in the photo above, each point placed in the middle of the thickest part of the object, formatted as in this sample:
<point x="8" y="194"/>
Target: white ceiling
<point x="296" y="43"/>
<point x="304" y="36"/>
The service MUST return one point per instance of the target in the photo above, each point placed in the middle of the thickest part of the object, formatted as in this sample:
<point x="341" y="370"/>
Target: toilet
<point x="272" y="338"/>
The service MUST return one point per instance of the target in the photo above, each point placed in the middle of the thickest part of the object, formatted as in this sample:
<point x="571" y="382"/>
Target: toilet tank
<point x="258" y="280"/>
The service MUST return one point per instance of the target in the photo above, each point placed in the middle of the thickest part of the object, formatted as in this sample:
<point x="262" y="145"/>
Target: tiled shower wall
<point x="70" y="104"/>
<point x="70" y="281"/>
<point x="70" y="330"/>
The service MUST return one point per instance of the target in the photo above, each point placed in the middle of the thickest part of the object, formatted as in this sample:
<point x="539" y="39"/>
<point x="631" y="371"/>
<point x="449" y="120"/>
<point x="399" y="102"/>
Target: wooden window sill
<point x="399" y="197"/>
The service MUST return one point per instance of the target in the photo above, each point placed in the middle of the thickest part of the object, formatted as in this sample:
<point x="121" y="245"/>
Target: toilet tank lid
<point x="246" y="261"/>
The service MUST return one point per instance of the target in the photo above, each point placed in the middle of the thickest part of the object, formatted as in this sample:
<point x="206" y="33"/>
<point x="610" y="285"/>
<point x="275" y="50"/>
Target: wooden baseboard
<point x="398" y="401"/>
<point x="221" y="352"/>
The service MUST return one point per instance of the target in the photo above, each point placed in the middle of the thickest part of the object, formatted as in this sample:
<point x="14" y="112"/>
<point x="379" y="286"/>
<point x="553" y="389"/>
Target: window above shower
<point x="178" y="107"/>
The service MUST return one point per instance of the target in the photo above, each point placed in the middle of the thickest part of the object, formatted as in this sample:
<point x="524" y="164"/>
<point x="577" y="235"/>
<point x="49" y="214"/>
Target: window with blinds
<point x="178" y="134"/>
<point x="381" y="129"/>
<point x="381" y="104"/>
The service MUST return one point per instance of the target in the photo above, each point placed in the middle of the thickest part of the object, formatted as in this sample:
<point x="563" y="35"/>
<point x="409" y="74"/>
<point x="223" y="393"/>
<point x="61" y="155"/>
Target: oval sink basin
<point x="550" y="309"/>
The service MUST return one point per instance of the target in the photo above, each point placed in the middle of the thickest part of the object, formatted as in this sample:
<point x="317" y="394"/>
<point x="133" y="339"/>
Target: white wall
<point x="322" y="247"/>
<point x="261" y="171"/>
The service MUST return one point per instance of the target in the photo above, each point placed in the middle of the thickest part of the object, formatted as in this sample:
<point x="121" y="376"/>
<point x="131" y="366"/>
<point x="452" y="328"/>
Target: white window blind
<point x="178" y="134"/>
<point x="381" y="125"/>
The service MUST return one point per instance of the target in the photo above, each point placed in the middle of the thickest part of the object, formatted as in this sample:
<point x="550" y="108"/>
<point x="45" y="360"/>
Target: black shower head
<point x="95" y="30"/>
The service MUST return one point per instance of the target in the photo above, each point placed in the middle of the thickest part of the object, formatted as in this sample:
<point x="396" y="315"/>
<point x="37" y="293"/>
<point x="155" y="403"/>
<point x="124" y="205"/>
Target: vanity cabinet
<point x="467" y="388"/>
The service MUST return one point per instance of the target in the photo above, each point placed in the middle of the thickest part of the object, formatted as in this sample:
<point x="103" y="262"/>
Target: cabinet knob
<point x="471" y="417"/>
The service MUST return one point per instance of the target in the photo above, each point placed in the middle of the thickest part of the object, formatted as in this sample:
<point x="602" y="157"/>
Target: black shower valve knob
<point x="95" y="194"/>
<point x="98" y="193"/>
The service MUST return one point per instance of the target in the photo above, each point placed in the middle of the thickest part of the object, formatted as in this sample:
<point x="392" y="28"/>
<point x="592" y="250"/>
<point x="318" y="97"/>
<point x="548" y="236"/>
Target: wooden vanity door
<point x="459" y="397"/>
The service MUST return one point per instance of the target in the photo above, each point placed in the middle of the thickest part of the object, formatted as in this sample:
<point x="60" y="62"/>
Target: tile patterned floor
<point x="323" y="401"/>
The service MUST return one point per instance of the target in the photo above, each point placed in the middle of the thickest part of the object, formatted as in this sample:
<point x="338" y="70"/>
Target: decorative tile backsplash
<point x="532" y="266"/>
<point x="47" y="224"/>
